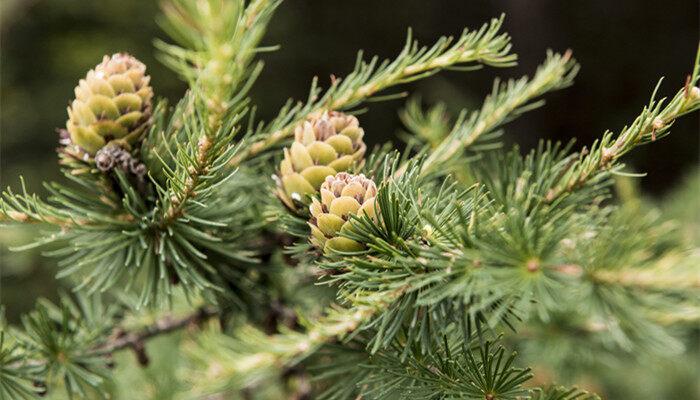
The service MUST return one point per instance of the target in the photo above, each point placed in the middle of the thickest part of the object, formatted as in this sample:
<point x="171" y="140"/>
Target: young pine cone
<point x="112" y="103"/>
<point x="342" y="195"/>
<point x="323" y="146"/>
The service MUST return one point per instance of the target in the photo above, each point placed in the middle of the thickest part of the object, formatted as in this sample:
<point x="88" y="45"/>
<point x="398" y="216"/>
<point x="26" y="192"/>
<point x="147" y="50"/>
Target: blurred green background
<point x="624" y="46"/>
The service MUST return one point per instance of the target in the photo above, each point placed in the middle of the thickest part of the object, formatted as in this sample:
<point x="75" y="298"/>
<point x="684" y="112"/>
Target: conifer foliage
<point x="298" y="263"/>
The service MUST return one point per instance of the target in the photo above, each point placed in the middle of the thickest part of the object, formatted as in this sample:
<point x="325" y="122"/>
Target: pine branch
<point x="163" y="326"/>
<point x="667" y="275"/>
<point x="219" y="363"/>
<point x="134" y="340"/>
<point x="16" y="376"/>
<point x="485" y="46"/>
<point x="220" y="40"/>
<point x="506" y="102"/>
<point x="200" y="249"/>
<point x="219" y="71"/>
<point x="484" y="256"/>
<point x="89" y="358"/>
<point x="653" y="123"/>
<point x="427" y="126"/>
<point x="30" y="209"/>
<point x="472" y="368"/>
<point x="672" y="275"/>
<point x="454" y="368"/>
<point x="562" y="393"/>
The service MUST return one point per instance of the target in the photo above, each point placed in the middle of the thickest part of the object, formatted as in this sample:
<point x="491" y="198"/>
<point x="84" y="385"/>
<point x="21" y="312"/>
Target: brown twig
<point x="136" y="340"/>
<point x="162" y="326"/>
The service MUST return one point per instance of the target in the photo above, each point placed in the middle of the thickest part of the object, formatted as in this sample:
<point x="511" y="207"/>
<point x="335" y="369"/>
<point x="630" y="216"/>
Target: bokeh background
<point x="624" y="46"/>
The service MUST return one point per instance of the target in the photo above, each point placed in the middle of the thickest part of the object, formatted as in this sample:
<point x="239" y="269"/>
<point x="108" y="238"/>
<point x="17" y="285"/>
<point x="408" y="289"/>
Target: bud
<point x="112" y="104"/>
<point x="694" y="93"/>
<point x="323" y="146"/>
<point x="342" y="195"/>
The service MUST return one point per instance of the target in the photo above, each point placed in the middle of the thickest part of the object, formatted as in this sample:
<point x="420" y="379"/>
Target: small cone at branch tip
<point x="341" y="197"/>
<point x="323" y="145"/>
<point x="112" y="104"/>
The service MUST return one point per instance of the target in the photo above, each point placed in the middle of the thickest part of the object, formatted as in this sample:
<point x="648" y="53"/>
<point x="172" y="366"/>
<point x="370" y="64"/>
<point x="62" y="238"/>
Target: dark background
<point x="623" y="47"/>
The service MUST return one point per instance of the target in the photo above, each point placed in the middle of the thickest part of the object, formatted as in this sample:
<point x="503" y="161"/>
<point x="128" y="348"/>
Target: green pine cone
<point x="342" y="195"/>
<point x="323" y="146"/>
<point x="112" y="104"/>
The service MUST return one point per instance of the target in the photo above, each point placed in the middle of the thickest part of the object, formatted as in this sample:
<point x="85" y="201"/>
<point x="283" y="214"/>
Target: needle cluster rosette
<point x="323" y="146"/>
<point x="342" y="196"/>
<point x="112" y="105"/>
